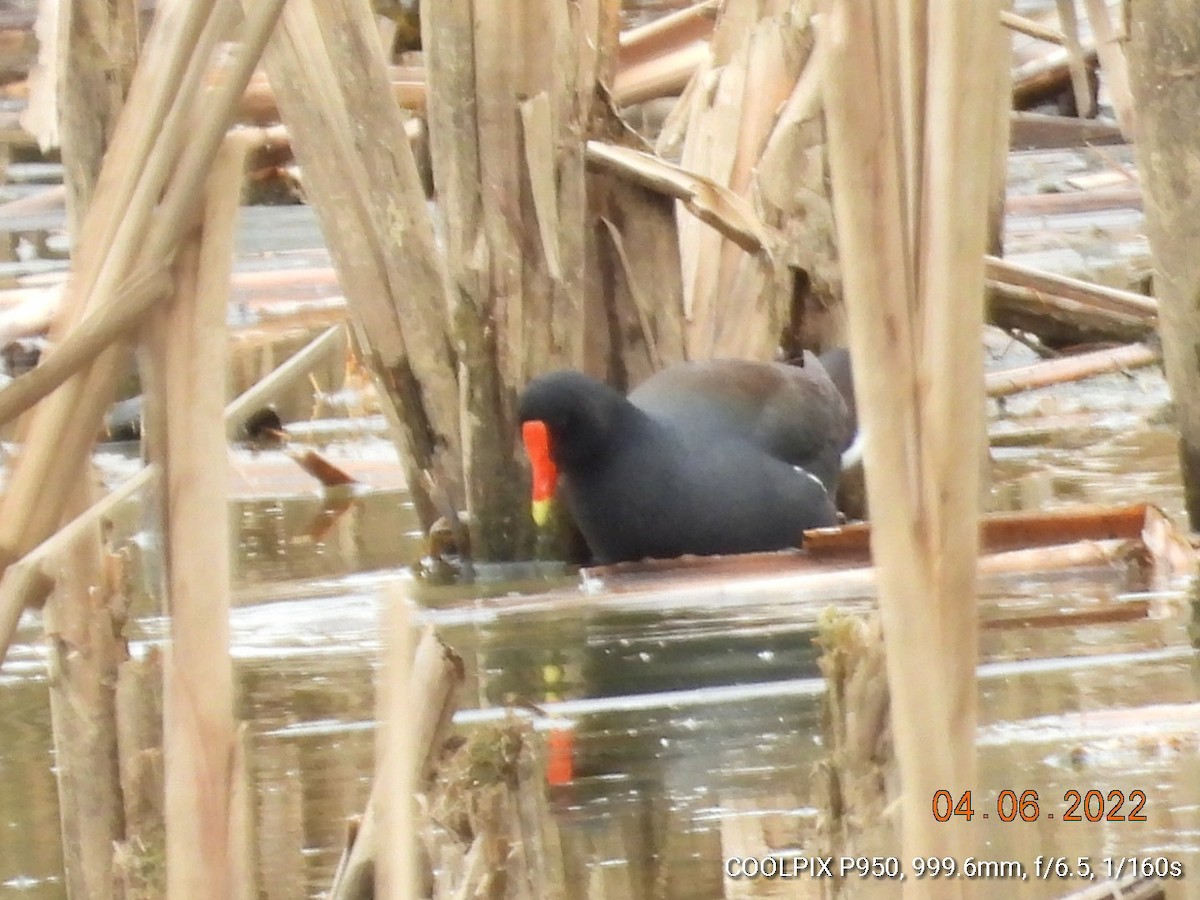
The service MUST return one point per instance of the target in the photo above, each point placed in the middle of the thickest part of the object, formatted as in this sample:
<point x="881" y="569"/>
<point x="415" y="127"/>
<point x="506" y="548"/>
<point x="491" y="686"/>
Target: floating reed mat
<point x="913" y="118"/>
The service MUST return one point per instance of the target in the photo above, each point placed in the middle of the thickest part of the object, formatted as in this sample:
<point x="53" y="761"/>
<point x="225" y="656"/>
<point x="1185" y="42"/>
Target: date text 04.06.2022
<point x="1077" y="806"/>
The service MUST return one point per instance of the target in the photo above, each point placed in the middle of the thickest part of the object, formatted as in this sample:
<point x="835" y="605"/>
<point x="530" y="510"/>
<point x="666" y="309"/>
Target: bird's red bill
<point x="545" y="474"/>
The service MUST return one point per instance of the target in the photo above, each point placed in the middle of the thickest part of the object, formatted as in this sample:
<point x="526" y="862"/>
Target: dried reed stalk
<point x="25" y="583"/>
<point x="658" y="58"/>
<point x="1098" y="295"/>
<point x="399" y="755"/>
<point x="44" y="201"/>
<point x="100" y="39"/>
<point x="259" y="104"/>
<point x="910" y="110"/>
<point x="140" y="857"/>
<point x="1061" y="322"/>
<point x="40" y="116"/>
<point x="259" y="279"/>
<point x="1076" y="202"/>
<point x="1070" y="368"/>
<point x="83" y="344"/>
<point x="206" y="856"/>
<point x="1085" y="106"/>
<point x="756" y="66"/>
<point x="1002" y="141"/>
<point x="828" y="581"/>
<point x="111" y="237"/>
<point x="1046" y="79"/>
<point x="667" y="33"/>
<point x="1032" y="28"/>
<point x="1111" y="52"/>
<point x="427" y="703"/>
<point x="85" y="650"/>
<point x="710" y="202"/>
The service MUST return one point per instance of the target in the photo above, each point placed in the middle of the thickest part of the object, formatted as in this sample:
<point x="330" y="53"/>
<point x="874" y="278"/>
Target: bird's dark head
<point x="567" y="420"/>
<point x="579" y="413"/>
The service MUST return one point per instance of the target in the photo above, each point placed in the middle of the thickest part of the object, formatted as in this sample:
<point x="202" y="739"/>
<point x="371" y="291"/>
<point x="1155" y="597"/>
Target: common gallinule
<point x="725" y="456"/>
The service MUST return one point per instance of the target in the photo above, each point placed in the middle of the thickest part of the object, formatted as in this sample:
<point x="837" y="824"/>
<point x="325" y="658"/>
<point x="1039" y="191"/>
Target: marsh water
<point x="690" y="712"/>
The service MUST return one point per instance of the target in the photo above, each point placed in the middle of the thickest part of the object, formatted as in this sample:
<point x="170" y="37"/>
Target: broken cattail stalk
<point x="510" y="173"/>
<point x="89" y="81"/>
<point x="710" y="202"/>
<point x="748" y="121"/>
<point x="1070" y="368"/>
<point x="139" y="859"/>
<point x="857" y="776"/>
<point x="242" y="809"/>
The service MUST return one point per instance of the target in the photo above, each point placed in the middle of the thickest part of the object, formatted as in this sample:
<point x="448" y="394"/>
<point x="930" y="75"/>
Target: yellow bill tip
<point x="541" y="512"/>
